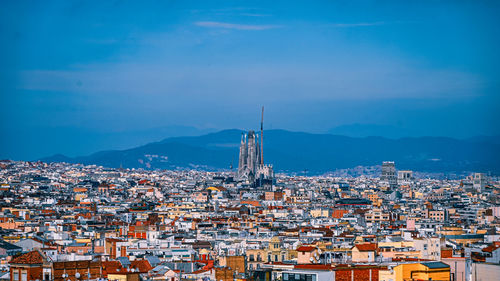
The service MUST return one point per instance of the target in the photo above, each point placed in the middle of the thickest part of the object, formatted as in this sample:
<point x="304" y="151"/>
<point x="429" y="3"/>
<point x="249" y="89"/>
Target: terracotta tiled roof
<point x="305" y="249"/>
<point x="142" y="266"/>
<point x="314" y="266"/>
<point x="491" y="248"/>
<point x="366" y="247"/>
<point x="200" y="271"/>
<point x="33" y="257"/>
<point x="113" y="240"/>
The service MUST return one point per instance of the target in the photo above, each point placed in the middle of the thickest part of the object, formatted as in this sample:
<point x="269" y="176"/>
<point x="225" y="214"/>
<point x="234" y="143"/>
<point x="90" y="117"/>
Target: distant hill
<point x="25" y="144"/>
<point x="295" y="151"/>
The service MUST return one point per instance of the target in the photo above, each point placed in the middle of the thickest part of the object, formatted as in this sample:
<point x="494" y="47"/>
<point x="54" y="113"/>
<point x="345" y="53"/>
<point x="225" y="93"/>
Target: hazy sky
<point x="71" y="69"/>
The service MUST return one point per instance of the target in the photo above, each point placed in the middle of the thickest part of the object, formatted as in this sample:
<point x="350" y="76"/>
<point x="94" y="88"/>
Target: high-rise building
<point x="389" y="173"/>
<point x="405" y="176"/>
<point x="479" y="181"/>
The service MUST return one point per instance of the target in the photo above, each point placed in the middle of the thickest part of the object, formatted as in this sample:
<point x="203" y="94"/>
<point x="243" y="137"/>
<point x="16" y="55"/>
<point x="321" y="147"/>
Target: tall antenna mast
<point x="262" y="138"/>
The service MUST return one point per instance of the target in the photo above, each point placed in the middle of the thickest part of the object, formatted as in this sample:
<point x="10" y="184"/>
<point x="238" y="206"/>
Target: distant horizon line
<point x="494" y="139"/>
<point x="344" y="135"/>
<point x="282" y="130"/>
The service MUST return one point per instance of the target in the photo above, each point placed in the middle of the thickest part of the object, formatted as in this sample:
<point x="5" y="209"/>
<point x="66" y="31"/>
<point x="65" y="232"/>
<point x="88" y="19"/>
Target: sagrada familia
<point x="251" y="165"/>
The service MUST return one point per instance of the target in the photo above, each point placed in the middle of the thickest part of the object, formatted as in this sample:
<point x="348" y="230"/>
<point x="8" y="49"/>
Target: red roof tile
<point x="314" y="266"/>
<point x="200" y="271"/>
<point x="366" y="247"/>
<point x="491" y="248"/>
<point x="306" y="249"/>
<point x="33" y="257"/>
<point x="142" y="266"/>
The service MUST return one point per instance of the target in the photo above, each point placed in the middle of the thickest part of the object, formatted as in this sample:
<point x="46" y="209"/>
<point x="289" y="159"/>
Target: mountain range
<point x="296" y="151"/>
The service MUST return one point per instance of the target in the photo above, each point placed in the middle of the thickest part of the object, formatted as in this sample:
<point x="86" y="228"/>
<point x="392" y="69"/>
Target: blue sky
<point x="86" y="69"/>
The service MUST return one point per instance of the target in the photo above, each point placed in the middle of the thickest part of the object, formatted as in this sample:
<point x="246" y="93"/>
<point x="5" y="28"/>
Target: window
<point x="24" y="276"/>
<point x="285" y="276"/>
<point x="15" y="276"/>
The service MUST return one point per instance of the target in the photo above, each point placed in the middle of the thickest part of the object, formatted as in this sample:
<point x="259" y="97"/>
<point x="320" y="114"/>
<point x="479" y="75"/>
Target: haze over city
<point x="78" y="77"/>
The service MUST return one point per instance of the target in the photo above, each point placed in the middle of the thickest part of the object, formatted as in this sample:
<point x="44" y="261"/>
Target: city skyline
<point x="131" y="150"/>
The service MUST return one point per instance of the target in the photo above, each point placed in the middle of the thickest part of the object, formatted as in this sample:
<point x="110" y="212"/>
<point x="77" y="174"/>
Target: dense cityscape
<point x="133" y="145"/>
<point x="62" y="221"/>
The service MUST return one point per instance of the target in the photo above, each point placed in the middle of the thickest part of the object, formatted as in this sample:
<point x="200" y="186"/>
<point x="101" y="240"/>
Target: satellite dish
<point x="77" y="275"/>
<point x="311" y="259"/>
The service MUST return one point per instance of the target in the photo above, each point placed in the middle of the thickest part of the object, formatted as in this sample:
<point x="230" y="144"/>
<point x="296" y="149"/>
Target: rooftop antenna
<point x="262" y="138"/>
